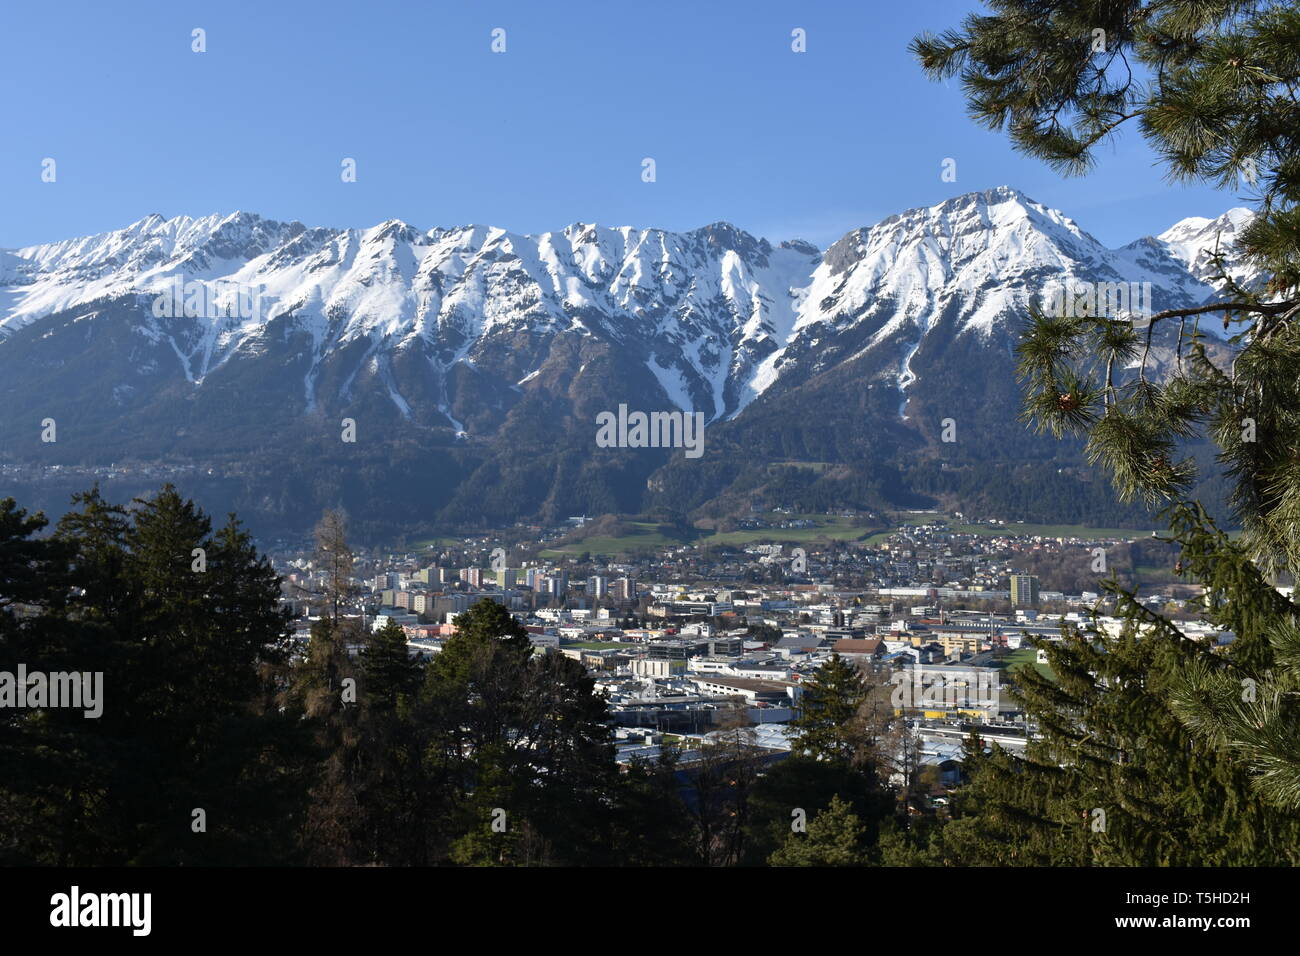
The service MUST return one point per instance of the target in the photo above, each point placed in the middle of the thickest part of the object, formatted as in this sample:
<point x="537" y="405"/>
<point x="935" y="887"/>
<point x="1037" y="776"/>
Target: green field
<point x="438" y="542"/>
<point x="646" y="535"/>
<point x="650" y="536"/>
<point x="1025" y="657"/>
<point x="830" y="527"/>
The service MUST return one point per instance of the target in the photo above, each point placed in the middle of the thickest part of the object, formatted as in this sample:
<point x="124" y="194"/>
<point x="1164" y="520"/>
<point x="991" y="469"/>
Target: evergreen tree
<point x="37" y="755"/>
<point x="388" y="671"/>
<point x="520" y="733"/>
<point x="1242" y="699"/>
<point x="1219" y="105"/>
<point x="917" y="842"/>
<point x="836" y="837"/>
<point x="189" y="760"/>
<point x="827" y="725"/>
<point x="808" y="785"/>
<point x="1112" y="777"/>
<point x="28" y="564"/>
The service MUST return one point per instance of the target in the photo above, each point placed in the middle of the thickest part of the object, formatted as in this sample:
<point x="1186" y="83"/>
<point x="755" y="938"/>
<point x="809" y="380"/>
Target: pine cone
<point x="1067" y="402"/>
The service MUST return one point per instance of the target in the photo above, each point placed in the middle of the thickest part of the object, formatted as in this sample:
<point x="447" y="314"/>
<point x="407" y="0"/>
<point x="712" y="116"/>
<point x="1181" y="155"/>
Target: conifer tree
<point x="1213" y="88"/>
<point x="526" y="734"/>
<point x="827" y="725"/>
<point x="388" y="671"/>
<point x="35" y="755"/>
<point x="807" y="785"/>
<point x="390" y="786"/>
<point x="188" y="760"/>
<point x="1112" y="777"/>
<point x="836" y="837"/>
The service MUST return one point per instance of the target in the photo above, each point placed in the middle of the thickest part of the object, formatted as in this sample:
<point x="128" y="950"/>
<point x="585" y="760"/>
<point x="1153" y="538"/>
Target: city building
<point x="1024" y="590"/>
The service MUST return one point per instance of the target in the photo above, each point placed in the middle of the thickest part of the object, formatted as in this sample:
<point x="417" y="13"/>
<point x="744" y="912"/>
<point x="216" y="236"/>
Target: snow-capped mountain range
<point x="462" y="333"/>
<point x="716" y="312"/>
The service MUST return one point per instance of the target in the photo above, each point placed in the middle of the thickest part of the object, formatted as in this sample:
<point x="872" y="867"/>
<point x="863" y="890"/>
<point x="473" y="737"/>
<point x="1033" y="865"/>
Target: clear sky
<point x="552" y="131"/>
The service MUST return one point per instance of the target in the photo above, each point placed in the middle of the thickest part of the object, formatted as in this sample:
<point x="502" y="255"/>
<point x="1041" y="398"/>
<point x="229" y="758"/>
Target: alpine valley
<point x="474" y="362"/>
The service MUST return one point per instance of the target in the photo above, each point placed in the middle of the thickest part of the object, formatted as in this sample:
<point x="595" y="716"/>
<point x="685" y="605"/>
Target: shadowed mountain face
<point x="473" y="362"/>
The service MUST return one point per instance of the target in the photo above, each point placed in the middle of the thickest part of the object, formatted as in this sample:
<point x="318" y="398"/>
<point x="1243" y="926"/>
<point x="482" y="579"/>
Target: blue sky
<point x="553" y="131"/>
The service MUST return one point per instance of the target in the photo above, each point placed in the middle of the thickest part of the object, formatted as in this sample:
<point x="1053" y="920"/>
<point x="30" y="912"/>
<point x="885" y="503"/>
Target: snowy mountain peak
<point x="1001" y="207"/>
<point x="1193" y="242"/>
<point x="394" y="230"/>
<point x="723" y="235"/>
<point x="1188" y="229"/>
<point x="894" y="293"/>
<point x="995" y="247"/>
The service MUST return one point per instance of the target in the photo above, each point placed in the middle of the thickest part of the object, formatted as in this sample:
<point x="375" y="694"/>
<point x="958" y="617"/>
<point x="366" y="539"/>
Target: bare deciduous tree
<point x="334" y="555"/>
